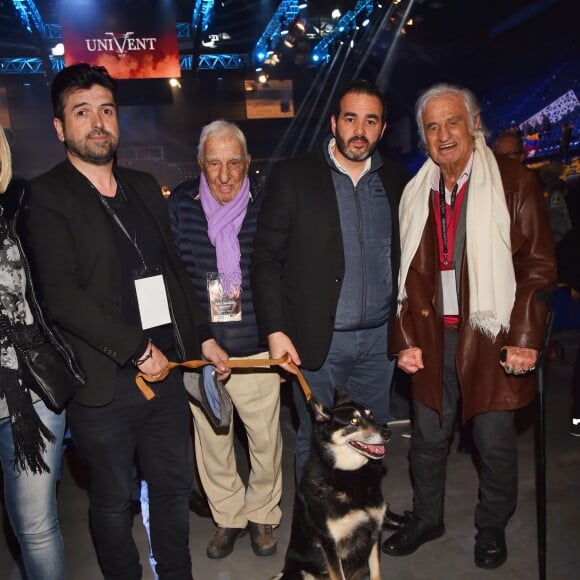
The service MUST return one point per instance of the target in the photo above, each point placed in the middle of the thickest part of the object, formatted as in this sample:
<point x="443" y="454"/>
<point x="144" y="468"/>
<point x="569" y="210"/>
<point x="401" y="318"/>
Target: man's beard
<point x="355" y="155"/>
<point x="100" y="154"/>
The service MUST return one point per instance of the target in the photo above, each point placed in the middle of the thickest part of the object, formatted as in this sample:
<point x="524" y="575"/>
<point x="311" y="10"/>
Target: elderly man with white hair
<point x="476" y="254"/>
<point x="213" y="219"/>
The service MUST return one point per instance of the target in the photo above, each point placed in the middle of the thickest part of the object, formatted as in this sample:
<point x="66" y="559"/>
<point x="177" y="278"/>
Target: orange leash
<point x="142" y="379"/>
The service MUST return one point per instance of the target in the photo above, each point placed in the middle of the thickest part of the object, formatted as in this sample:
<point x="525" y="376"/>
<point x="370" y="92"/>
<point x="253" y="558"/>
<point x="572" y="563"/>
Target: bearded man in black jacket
<point x="114" y="284"/>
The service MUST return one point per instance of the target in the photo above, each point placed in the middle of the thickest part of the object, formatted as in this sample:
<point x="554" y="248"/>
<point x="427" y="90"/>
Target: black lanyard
<point x="119" y="223"/>
<point x="443" y="214"/>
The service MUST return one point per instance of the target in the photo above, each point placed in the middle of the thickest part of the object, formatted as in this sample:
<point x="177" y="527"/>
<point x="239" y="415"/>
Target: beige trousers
<point x="255" y="394"/>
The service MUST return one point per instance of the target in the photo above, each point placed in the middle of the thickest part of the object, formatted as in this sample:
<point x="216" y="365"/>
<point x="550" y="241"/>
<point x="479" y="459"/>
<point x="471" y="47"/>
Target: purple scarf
<point x="223" y="226"/>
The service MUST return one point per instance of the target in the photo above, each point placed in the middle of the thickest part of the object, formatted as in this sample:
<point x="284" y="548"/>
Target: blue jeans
<point x="358" y="361"/>
<point x="157" y="434"/>
<point x="31" y="501"/>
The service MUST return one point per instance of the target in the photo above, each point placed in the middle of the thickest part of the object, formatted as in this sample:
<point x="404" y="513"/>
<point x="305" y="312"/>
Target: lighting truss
<point x="214" y="62"/>
<point x="186" y="62"/>
<point x="286" y="12"/>
<point x="29" y="15"/>
<point x="346" y="24"/>
<point x="202" y="8"/>
<point x="15" y="66"/>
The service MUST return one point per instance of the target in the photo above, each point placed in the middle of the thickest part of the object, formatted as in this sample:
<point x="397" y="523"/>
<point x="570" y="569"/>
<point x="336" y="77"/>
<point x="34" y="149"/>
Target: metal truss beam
<point x="187" y="62"/>
<point x="202" y="13"/>
<point x="285" y="13"/>
<point x="346" y="24"/>
<point x="29" y="15"/>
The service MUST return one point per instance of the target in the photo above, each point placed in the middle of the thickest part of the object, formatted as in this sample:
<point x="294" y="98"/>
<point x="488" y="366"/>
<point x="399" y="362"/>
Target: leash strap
<point x="142" y="379"/>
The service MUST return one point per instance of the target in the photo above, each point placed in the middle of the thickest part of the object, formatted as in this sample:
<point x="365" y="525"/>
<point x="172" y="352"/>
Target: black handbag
<point x="44" y="367"/>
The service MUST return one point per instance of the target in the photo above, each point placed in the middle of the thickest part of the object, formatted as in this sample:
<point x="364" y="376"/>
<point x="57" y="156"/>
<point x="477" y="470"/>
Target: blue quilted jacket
<point x="189" y="227"/>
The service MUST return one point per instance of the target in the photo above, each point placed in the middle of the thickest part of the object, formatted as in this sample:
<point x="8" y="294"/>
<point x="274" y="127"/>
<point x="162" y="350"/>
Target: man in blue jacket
<point x="213" y="219"/>
<point x="326" y="261"/>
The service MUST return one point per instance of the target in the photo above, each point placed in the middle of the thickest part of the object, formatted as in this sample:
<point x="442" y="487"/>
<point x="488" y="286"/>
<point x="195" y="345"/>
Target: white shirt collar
<point x="460" y="182"/>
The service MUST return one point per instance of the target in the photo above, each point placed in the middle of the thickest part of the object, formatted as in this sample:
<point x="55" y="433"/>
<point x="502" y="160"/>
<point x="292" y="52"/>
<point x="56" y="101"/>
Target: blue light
<point x="315" y="58"/>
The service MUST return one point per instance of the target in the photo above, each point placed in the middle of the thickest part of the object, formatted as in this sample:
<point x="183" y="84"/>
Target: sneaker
<point x="575" y="428"/>
<point x="262" y="536"/>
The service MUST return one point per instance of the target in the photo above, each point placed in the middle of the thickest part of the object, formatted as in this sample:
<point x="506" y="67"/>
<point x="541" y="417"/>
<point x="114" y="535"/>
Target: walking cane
<point x="540" y="449"/>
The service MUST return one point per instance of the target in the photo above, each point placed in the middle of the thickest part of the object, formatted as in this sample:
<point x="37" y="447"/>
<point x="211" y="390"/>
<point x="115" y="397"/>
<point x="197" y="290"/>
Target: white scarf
<point x="492" y="284"/>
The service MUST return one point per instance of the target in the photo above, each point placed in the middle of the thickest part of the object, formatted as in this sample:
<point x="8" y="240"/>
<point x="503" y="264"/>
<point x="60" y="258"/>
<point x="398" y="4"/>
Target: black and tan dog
<point x="339" y="506"/>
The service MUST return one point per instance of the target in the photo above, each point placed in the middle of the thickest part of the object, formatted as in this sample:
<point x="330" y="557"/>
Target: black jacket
<point x="298" y="261"/>
<point x="76" y="254"/>
<point x="189" y="226"/>
<point x="14" y="203"/>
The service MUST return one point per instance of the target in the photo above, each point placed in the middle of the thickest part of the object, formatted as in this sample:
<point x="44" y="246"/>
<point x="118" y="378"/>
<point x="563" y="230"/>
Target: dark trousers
<point x="496" y="443"/>
<point x="156" y="434"/>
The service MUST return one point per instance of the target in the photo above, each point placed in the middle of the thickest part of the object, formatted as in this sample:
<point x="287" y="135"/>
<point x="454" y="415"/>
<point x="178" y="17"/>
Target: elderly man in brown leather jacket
<point x="476" y="253"/>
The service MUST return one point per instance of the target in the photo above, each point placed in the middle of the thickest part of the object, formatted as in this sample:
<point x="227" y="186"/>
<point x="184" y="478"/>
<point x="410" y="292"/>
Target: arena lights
<point x="29" y="15"/>
<point x="202" y="13"/>
<point x="346" y="24"/>
<point x="57" y="49"/>
<point x="287" y="11"/>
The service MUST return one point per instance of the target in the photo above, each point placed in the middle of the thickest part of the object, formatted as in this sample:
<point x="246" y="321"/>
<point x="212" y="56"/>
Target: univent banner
<point x="132" y="38"/>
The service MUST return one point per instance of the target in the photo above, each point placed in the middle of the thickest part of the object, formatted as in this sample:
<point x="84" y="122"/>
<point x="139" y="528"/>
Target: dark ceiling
<point x="444" y="31"/>
<point x="520" y="47"/>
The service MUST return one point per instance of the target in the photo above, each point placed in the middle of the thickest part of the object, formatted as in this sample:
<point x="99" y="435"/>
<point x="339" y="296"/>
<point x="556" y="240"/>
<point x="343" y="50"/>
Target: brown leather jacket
<point x="484" y="384"/>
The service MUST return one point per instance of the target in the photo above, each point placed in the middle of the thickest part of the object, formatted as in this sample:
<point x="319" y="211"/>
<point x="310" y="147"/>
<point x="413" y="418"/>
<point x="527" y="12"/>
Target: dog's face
<point x="350" y="437"/>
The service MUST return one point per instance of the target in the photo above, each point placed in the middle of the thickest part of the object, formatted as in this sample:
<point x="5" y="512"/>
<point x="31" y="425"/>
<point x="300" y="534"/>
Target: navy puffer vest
<point x="189" y="227"/>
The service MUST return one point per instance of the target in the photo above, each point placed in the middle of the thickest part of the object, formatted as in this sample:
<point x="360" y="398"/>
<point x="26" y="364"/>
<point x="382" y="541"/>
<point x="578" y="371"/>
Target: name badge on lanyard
<point x="223" y="307"/>
<point x="152" y="298"/>
<point x="450" y="305"/>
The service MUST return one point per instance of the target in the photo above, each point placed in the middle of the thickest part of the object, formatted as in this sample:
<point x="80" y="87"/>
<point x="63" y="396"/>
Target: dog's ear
<point x="320" y="414"/>
<point x="341" y="395"/>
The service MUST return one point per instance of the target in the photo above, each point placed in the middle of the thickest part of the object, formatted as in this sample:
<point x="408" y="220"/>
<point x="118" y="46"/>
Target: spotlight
<point x="300" y="24"/>
<point x="290" y="41"/>
<point x="57" y="49"/>
<point x="273" y="60"/>
<point x="365" y="22"/>
<point x="263" y="78"/>
<point x="335" y="14"/>
<point x="174" y="83"/>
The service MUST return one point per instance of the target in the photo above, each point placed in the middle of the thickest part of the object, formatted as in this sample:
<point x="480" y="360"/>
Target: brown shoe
<point x="263" y="541"/>
<point x="222" y="543"/>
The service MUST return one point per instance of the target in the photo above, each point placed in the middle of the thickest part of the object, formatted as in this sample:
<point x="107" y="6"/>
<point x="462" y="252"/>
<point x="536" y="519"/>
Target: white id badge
<point x="152" y="301"/>
<point x="222" y="307"/>
<point x="450" y="306"/>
